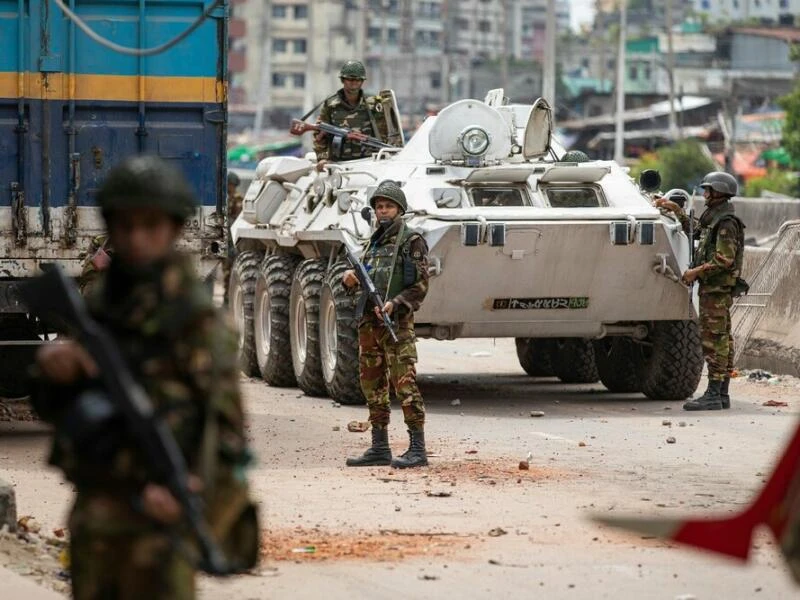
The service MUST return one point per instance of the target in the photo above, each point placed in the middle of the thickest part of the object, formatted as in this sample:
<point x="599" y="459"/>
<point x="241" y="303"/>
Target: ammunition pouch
<point x="94" y="427"/>
<point x="740" y="288"/>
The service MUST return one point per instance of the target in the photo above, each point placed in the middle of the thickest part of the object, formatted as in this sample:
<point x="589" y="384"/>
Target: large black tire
<point x="339" y="339"/>
<point x="15" y="360"/>
<point x="534" y="356"/>
<point x="619" y="363"/>
<point x="304" y="326"/>
<point x="673" y="361"/>
<point x="573" y="360"/>
<point x="242" y="291"/>
<point x="271" y="330"/>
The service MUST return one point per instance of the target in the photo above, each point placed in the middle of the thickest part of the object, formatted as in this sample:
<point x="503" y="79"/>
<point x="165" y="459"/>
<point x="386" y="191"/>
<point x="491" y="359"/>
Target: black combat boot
<point x="724" y="394"/>
<point x="379" y="454"/>
<point x="710" y="400"/>
<point x="415" y="456"/>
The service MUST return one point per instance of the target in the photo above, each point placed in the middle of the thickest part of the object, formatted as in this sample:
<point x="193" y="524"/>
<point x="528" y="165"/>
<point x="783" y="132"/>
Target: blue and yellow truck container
<point x="71" y="108"/>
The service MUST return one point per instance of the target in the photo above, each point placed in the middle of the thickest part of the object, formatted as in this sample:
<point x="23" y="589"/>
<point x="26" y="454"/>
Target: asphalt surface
<point x="498" y="532"/>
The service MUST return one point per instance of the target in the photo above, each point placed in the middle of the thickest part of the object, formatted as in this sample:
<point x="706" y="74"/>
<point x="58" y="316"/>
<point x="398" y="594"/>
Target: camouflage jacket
<point x="404" y="282"/>
<point x="365" y="117"/>
<point x="184" y="355"/>
<point x="234" y="207"/>
<point x="721" y="248"/>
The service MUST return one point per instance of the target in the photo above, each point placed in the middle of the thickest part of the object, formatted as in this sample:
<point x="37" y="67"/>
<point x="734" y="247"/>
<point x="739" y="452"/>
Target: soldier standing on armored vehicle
<point x="158" y="314"/>
<point x="397" y="261"/>
<point x="717" y="266"/>
<point x="351" y="108"/>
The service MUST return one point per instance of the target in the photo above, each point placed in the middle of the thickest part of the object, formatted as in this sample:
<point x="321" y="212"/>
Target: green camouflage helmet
<point x="721" y="182"/>
<point x="146" y="181"/>
<point x="353" y="69"/>
<point x="390" y="190"/>
<point x="576" y="156"/>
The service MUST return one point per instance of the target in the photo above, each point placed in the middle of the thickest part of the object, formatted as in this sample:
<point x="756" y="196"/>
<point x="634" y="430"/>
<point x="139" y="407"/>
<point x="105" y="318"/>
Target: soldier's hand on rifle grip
<point x="65" y="363"/>
<point x="388" y="308"/>
<point x="349" y="279"/>
<point x="160" y="505"/>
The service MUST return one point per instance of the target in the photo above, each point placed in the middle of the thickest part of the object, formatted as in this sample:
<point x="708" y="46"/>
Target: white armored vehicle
<point x="569" y="258"/>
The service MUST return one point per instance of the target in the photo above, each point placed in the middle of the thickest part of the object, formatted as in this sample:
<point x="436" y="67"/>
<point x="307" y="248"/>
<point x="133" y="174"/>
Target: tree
<point x="780" y="182"/>
<point x="682" y="165"/>
<point x="791" y="104"/>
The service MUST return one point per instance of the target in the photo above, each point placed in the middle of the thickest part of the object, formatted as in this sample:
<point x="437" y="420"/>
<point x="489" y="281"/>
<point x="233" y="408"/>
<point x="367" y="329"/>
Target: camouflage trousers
<point x="124" y="564"/>
<point x="383" y="363"/>
<point x="715" y="333"/>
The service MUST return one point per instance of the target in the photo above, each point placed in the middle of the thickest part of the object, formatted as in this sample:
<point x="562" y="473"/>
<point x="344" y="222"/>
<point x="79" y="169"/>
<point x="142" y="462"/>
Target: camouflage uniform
<point x="366" y="117"/>
<point x="234" y="209"/>
<point x="95" y="262"/>
<point x="404" y="281"/>
<point x="184" y="356"/>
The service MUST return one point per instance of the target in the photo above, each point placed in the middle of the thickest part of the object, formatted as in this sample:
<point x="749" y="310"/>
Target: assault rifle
<point x="339" y="134"/>
<point x="691" y="238"/>
<point x="54" y="298"/>
<point x="372" y="292"/>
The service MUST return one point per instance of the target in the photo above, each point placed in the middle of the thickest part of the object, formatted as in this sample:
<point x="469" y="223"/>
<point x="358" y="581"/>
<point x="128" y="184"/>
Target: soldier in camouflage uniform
<point x="96" y="261"/>
<point x="397" y="261"/>
<point x="184" y="356"/>
<point x="350" y="107"/>
<point x="235" y="202"/>
<point x="717" y="267"/>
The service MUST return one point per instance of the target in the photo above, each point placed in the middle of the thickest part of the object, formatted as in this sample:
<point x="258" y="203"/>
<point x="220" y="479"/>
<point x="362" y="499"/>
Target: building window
<point x="610" y="63"/>
<point x="278" y="80"/>
<point x="300" y="46"/>
<point x="647" y="72"/>
<point x="279" y="11"/>
<point x="736" y="4"/>
<point x="484" y="26"/>
<point x="436" y="80"/>
<point x="392" y="36"/>
<point x="706" y="4"/>
<point x="279" y="46"/>
<point x="784" y="3"/>
<point x="633" y="73"/>
<point x="299" y="80"/>
<point x="374" y="34"/>
<point x="300" y="11"/>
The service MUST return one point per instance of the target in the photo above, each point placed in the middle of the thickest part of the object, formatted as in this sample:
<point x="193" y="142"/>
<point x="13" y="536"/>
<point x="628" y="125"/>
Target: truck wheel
<point x="271" y="331"/>
<point x="242" y="288"/>
<point x="534" y="356"/>
<point x="338" y="330"/>
<point x="573" y="361"/>
<point x="619" y="363"/>
<point x="304" y="325"/>
<point x="15" y="360"/>
<point x="673" y="361"/>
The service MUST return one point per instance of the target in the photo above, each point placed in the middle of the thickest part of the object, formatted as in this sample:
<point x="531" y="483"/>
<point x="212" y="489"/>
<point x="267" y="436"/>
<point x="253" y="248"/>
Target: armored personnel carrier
<point x="569" y="258"/>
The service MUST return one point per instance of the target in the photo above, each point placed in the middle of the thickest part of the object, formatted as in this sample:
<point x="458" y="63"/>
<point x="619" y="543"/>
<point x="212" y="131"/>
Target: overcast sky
<point x="581" y="11"/>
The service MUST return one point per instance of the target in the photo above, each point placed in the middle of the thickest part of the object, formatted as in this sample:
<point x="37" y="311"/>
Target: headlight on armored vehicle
<point x="474" y="140"/>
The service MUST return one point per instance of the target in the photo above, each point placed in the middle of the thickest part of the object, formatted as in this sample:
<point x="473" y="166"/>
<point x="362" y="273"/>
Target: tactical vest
<point x="707" y="248"/>
<point x="389" y="274"/>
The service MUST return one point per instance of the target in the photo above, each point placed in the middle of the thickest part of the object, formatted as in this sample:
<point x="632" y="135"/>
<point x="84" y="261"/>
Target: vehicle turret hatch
<point x="517" y="174"/>
<point x="536" y="141"/>
<point x="574" y="174"/>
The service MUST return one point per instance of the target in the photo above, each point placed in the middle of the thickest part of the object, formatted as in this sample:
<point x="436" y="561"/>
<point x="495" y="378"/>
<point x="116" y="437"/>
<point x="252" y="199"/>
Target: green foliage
<point x="791" y="104"/>
<point x="780" y="182"/>
<point x="682" y="165"/>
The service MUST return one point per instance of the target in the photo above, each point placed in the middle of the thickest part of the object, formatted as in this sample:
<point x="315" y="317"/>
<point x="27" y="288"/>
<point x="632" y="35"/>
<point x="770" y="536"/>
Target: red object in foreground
<point x="777" y="507"/>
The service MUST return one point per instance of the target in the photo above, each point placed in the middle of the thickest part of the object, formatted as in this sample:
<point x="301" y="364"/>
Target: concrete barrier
<point x="762" y="216"/>
<point x="775" y="344"/>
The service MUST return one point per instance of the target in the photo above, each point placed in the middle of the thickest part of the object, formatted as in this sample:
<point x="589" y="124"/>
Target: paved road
<point x="592" y="452"/>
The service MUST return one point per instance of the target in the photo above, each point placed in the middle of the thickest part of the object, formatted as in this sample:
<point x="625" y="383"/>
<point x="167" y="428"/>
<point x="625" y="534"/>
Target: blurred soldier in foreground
<point x="235" y="201"/>
<point x="717" y="266"/>
<point x="397" y="262"/>
<point x="350" y="107"/>
<point x="184" y="356"/>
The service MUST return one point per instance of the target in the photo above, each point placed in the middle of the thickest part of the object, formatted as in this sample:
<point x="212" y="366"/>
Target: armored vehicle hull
<point x="571" y="259"/>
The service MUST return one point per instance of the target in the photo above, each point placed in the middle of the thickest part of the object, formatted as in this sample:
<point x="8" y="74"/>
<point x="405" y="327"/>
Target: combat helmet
<point x="390" y="190"/>
<point x="146" y="181"/>
<point x="353" y="69"/>
<point x="576" y="156"/>
<point x="721" y="182"/>
<point x="233" y="179"/>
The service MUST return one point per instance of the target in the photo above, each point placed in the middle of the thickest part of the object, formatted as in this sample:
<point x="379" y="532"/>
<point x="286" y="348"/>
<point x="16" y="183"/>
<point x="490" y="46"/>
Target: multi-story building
<point x="783" y="12"/>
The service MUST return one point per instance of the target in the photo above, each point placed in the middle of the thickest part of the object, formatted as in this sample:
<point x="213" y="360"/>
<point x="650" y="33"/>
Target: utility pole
<point x="506" y="33"/>
<point x="265" y="84"/>
<point x="619" y="133"/>
<point x="673" y="122"/>
<point x="549" y="67"/>
<point x="384" y="36"/>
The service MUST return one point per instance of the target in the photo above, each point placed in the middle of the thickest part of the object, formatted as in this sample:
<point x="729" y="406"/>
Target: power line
<point x="83" y="26"/>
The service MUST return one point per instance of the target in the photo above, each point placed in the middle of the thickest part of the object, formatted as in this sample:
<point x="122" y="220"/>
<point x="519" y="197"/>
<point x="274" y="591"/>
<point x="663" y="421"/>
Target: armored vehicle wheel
<point x="339" y="339"/>
<point x="534" y="356"/>
<point x="673" y="362"/>
<point x="15" y="360"/>
<point x="242" y="288"/>
<point x="304" y="325"/>
<point x="271" y="330"/>
<point x="573" y="360"/>
<point x="619" y="363"/>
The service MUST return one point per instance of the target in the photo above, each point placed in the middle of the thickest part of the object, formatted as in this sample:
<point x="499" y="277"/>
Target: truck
<point x="71" y="108"/>
<point x="570" y="258"/>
